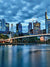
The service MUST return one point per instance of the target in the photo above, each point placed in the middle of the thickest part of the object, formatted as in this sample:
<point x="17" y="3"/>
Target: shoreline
<point x="22" y="43"/>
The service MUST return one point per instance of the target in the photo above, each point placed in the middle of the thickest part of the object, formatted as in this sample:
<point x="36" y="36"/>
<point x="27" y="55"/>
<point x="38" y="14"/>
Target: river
<point x="25" y="56"/>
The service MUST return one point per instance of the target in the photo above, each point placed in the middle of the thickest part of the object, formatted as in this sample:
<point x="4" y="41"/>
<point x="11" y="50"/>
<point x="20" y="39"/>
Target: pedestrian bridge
<point x="39" y="35"/>
<point x="32" y="36"/>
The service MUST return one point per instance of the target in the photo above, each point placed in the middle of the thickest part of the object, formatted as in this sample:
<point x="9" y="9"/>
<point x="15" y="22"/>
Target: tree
<point x="2" y="36"/>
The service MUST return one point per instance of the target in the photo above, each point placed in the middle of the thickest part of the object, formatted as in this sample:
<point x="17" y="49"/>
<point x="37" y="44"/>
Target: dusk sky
<point x="24" y="11"/>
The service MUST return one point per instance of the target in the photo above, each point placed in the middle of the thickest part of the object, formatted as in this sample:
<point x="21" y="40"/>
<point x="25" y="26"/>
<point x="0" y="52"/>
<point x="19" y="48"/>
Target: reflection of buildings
<point x="29" y="27"/>
<point x="36" y="27"/>
<point x="47" y="23"/>
<point x="19" y="28"/>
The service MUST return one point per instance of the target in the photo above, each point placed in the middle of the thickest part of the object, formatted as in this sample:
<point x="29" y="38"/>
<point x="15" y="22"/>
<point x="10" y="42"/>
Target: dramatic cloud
<point x="24" y="10"/>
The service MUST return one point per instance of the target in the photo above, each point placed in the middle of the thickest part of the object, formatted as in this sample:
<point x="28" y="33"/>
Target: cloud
<point x="24" y="10"/>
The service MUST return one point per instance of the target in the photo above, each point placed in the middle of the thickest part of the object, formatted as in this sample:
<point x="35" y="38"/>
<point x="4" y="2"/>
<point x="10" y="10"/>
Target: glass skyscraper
<point x="29" y="27"/>
<point x="7" y="27"/>
<point x="19" y="28"/>
<point x="47" y="23"/>
<point x="3" y="25"/>
<point x="0" y="26"/>
<point x="36" y="28"/>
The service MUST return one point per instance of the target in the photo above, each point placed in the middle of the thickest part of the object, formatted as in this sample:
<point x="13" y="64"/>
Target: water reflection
<point x="2" y="58"/>
<point x="24" y="56"/>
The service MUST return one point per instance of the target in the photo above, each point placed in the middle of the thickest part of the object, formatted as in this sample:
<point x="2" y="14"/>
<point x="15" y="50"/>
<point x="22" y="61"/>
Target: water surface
<point x="25" y="56"/>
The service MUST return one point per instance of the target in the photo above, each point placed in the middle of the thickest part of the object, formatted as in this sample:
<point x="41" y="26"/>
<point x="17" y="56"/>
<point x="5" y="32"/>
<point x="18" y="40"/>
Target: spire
<point x="46" y="10"/>
<point x="46" y="17"/>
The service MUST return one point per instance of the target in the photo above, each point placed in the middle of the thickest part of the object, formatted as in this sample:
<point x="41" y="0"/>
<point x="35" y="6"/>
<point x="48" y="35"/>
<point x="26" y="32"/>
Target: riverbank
<point x="24" y="43"/>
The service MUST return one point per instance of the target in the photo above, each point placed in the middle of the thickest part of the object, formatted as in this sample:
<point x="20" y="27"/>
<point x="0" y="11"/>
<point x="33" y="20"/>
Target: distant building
<point x="19" y="28"/>
<point x="3" y="25"/>
<point x="31" y="32"/>
<point x="0" y="25"/>
<point x="36" y="28"/>
<point x="47" y="23"/>
<point x="7" y="27"/>
<point x="43" y="31"/>
<point x="12" y="28"/>
<point x="29" y="27"/>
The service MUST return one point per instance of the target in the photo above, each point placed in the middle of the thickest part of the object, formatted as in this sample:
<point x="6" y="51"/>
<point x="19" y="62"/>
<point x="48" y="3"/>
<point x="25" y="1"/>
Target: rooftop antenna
<point x="46" y="10"/>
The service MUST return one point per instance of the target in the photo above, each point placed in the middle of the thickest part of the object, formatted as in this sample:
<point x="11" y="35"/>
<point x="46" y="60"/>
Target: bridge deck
<point x="26" y="36"/>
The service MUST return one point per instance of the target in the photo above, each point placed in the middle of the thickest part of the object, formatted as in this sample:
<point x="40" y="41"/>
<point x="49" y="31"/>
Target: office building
<point x="19" y="28"/>
<point x="12" y="28"/>
<point x="7" y="27"/>
<point x="47" y="23"/>
<point x="43" y="31"/>
<point x="3" y="25"/>
<point x="31" y="32"/>
<point x="29" y="27"/>
<point x="36" y="28"/>
<point x="0" y="26"/>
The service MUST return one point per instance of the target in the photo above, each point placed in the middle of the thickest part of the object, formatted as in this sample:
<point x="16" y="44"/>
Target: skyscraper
<point x="12" y="28"/>
<point x="36" y="28"/>
<point x="29" y="27"/>
<point x="0" y="26"/>
<point x="7" y="27"/>
<point x="47" y="23"/>
<point x="19" y="28"/>
<point x="3" y="25"/>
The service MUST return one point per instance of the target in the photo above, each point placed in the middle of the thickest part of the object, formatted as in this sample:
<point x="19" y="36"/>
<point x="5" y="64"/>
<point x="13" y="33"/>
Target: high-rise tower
<point x="47" y="23"/>
<point x="36" y="27"/>
<point x="29" y="27"/>
<point x="3" y="25"/>
<point x="0" y="25"/>
<point x="19" y="28"/>
<point x="46" y="15"/>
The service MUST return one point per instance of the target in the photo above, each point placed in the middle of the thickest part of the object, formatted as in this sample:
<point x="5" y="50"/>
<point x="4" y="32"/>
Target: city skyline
<point x="24" y="11"/>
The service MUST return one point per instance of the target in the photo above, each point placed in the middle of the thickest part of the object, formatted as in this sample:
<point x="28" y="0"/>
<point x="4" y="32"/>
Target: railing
<point x="25" y="37"/>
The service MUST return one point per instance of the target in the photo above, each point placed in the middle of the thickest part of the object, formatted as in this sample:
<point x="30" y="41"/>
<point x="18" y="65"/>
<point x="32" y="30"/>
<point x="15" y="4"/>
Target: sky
<point x="24" y="11"/>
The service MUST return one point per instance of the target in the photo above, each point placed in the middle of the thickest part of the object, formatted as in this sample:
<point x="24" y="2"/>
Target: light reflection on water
<point x="25" y="56"/>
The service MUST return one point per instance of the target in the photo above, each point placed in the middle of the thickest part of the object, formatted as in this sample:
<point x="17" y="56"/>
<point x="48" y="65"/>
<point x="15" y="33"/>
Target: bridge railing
<point x="25" y="36"/>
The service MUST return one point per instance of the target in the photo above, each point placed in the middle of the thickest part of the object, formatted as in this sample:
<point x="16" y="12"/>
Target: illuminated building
<point x="19" y="28"/>
<point x="36" y="28"/>
<point x="29" y="27"/>
<point x="47" y="23"/>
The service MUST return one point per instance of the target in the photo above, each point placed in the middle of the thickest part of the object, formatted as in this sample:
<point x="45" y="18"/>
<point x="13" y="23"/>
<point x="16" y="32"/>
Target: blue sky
<point x="24" y="11"/>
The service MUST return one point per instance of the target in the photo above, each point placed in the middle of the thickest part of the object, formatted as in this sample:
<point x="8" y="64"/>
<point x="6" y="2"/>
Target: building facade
<point x="7" y="27"/>
<point x="43" y="31"/>
<point x="12" y="28"/>
<point x="3" y="25"/>
<point x="29" y="27"/>
<point x="0" y="26"/>
<point x="36" y="28"/>
<point x="47" y="23"/>
<point x="19" y="28"/>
